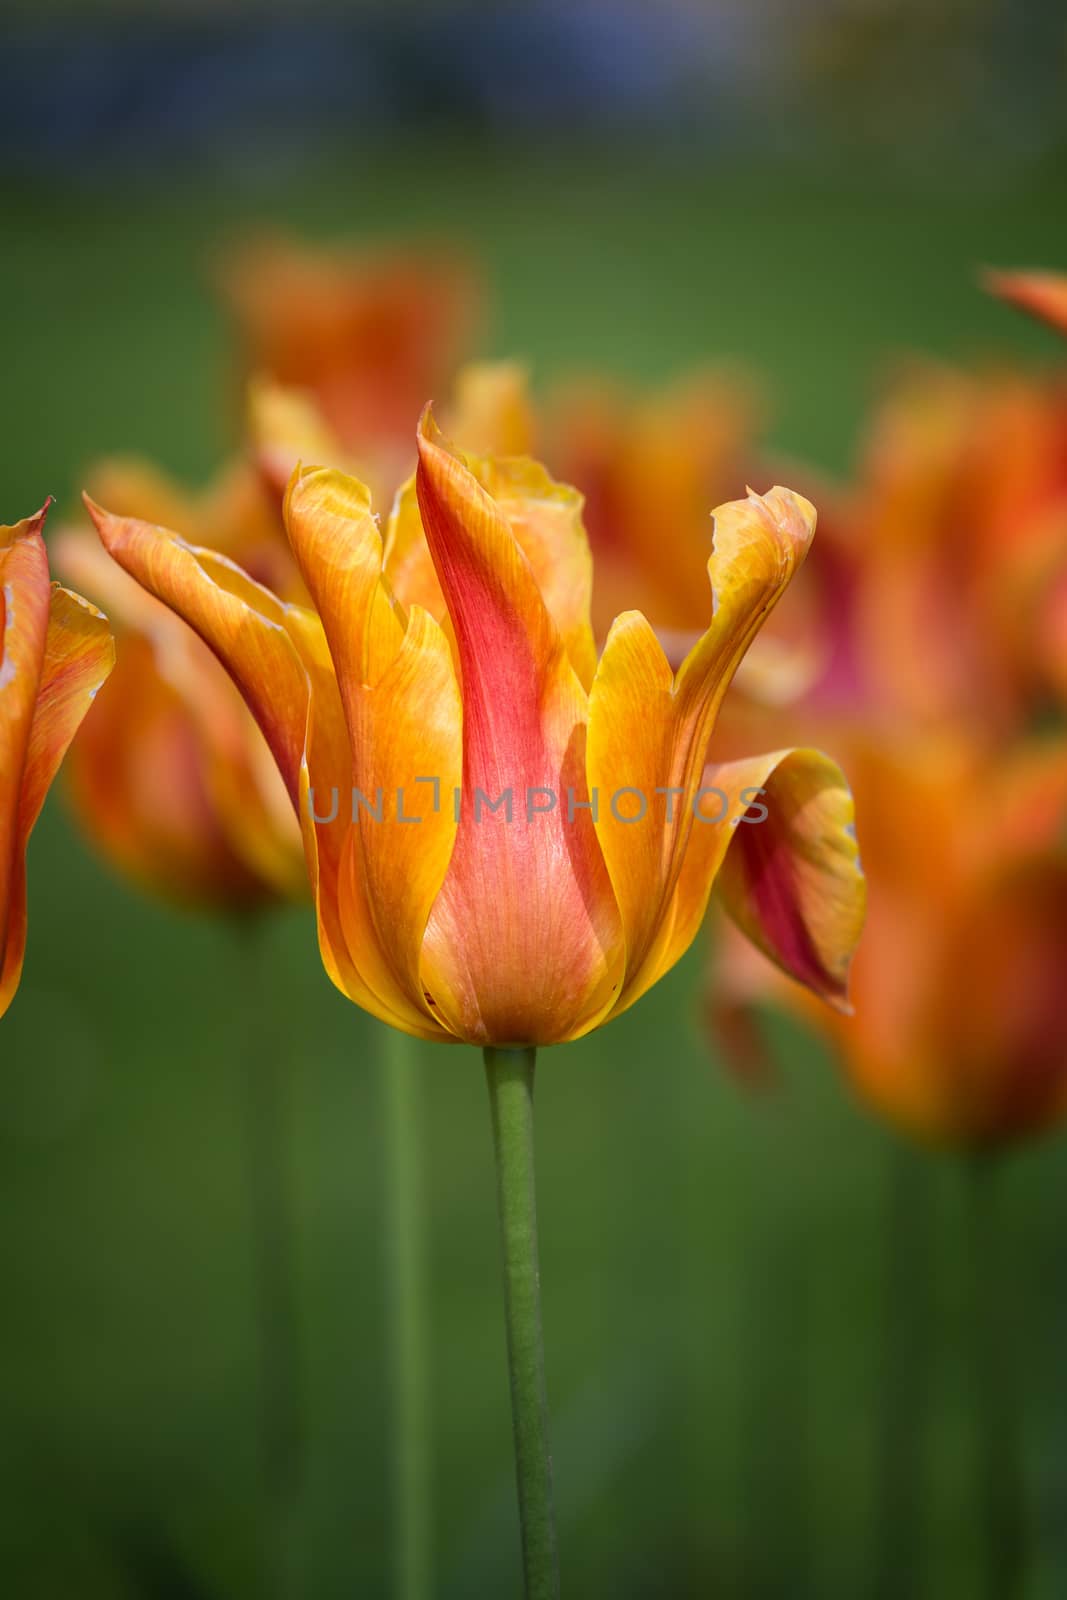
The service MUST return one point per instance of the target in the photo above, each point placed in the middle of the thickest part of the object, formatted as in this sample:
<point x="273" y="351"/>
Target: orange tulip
<point x="55" y="652"/>
<point x="510" y="840"/>
<point x="960" y="1027"/>
<point x="171" y="778"/>
<point x="1039" y="596"/>
<point x="363" y="336"/>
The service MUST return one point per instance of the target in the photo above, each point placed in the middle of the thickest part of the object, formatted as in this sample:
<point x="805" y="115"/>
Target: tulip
<point x="171" y="778"/>
<point x="363" y="335"/>
<point x="55" y="652"/>
<point x="961" y="501"/>
<point x="959" y="1031"/>
<point x="508" y="839"/>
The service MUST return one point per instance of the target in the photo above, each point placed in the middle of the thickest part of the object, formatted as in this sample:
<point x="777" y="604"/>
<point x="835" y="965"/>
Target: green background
<point x="714" y="1260"/>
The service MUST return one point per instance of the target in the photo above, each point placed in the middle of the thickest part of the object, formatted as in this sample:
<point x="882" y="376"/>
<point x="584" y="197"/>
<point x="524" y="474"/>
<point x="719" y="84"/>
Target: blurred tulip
<point x="539" y="926"/>
<point x="1039" y="595"/>
<point x="959" y="510"/>
<point x="940" y="671"/>
<point x="172" y="779"/>
<point x="55" y="652"/>
<point x="649" y="467"/>
<point x="960" y="1027"/>
<point x="365" y="337"/>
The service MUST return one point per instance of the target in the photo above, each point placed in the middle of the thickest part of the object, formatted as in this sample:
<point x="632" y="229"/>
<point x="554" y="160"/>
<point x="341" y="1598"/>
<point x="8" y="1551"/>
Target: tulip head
<point x="510" y="840"/>
<point x="366" y="336"/>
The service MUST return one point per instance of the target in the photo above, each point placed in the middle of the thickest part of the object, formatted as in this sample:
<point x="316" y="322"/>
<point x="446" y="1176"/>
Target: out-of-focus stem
<point x="905" y="1376"/>
<point x="281" y="1442"/>
<point x="996" y="1396"/>
<point x="406" y="1300"/>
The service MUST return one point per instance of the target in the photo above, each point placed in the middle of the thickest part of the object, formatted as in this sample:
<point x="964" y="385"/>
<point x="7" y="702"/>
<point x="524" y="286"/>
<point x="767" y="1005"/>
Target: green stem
<point x="996" y="1397"/>
<point x="510" y="1076"/>
<point x="905" y="1376"/>
<point x="406" y="1314"/>
<point x="275" y="1269"/>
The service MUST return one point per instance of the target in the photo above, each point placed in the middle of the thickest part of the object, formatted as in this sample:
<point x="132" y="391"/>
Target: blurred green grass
<point x="712" y="1261"/>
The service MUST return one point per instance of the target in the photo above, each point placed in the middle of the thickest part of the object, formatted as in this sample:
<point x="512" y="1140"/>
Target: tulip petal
<point x="522" y="941"/>
<point x="139" y="778"/>
<point x="791" y="879"/>
<point x="408" y="742"/>
<point x="358" y="947"/>
<point x="491" y="413"/>
<point x="286" y="428"/>
<point x="278" y="657"/>
<point x="78" y="655"/>
<point x="243" y="623"/>
<point x="408" y="565"/>
<point x="24" y="607"/>
<point x="545" y="519"/>
<point x="1042" y="294"/>
<point x="335" y="538"/>
<point x="403" y="713"/>
<point x="649" y="729"/>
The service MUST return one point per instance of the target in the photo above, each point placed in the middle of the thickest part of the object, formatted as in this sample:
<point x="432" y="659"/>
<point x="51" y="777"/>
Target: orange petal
<point x="409" y="567"/>
<point x="649" y="728"/>
<point x="522" y="945"/>
<point x="791" y="879"/>
<point x="172" y="777"/>
<point x="358" y="939"/>
<point x="335" y="538"/>
<point x="403" y="712"/>
<point x="243" y="623"/>
<point x="491" y="413"/>
<point x="78" y="655"/>
<point x="278" y="657"/>
<point x="371" y="336"/>
<point x="286" y="428"/>
<point x="24" y="606"/>
<point x="140" y="779"/>
<point x="1042" y="294"/>
<point x="545" y="519"/>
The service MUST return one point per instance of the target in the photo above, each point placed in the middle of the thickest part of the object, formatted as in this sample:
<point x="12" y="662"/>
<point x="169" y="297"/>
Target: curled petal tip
<point x="28" y="528"/>
<point x="326" y="489"/>
<point x="428" y="430"/>
<point x="80" y="601"/>
<point x="97" y="512"/>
